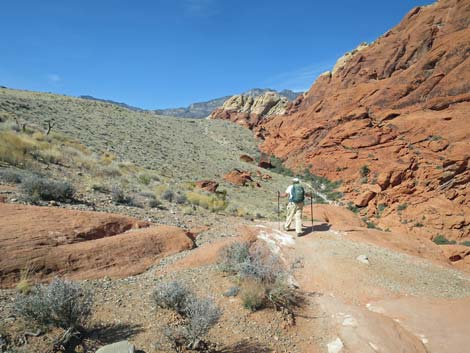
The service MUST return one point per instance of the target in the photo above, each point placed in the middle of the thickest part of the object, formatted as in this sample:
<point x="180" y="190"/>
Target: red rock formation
<point x="238" y="177"/>
<point x="80" y="245"/>
<point x="401" y="106"/>
<point x="207" y="185"/>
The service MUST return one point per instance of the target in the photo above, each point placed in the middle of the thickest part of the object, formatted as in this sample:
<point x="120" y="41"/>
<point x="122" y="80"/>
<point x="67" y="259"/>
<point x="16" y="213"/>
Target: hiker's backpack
<point x="298" y="193"/>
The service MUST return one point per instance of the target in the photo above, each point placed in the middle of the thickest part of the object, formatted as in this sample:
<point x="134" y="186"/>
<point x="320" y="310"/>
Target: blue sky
<point x="168" y="53"/>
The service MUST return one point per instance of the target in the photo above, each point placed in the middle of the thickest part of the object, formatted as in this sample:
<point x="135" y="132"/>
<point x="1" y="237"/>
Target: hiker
<point x="296" y="194"/>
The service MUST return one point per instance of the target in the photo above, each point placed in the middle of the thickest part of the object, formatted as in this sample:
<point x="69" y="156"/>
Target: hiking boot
<point x="299" y="234"/>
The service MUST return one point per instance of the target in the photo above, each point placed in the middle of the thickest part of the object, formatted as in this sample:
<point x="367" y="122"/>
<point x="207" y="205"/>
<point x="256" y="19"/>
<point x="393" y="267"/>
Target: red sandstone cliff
<point x="401" y="107"/>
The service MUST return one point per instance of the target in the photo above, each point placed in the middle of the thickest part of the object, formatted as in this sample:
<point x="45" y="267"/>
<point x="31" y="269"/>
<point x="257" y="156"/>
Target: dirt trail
<point x="367" y="298"/>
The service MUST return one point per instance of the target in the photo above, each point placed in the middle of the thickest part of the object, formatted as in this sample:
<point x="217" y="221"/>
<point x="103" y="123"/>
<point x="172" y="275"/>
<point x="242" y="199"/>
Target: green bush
<point x="364" y="171"/>
<point x="402" y="207"/>
<point x="38" y="188"/>
<point x="442" y="240"/>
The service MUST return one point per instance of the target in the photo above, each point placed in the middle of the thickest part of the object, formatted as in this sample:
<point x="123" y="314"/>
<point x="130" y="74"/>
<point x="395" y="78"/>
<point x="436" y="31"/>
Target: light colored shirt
<point x="289" y="191"/>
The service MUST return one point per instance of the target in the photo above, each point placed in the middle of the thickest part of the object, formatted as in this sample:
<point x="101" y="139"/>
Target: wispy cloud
<point x="299" y="79"/>
<point x="54" y="78"/>
<point x="200" y="8"/>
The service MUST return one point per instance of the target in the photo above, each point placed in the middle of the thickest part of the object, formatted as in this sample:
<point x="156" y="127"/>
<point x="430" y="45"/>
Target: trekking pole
<point x="279" y="210"/>
<point x="311" y="209"/>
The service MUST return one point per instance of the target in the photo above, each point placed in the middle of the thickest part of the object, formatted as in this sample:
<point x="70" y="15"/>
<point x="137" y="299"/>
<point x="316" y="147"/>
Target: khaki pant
<point x="294" y="210"/>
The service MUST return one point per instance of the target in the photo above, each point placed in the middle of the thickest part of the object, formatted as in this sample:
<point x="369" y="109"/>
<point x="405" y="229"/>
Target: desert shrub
<point x="352" y="207"/>
<point x="213" y="203"/>
<point x="253" y="295"/>
<point x="465" y="243"/>
<point x="181" y="199"/>
<point x="14" y="148"/>
<point x="262" y="265"/>
<point x="144" y="179"/>
<point x="402" y="207"/>
<point x="172" y="295"/>
<point x="232" y="292"/>
<point x="442" y="240"/>
<point x="109" y="170"/>
<point x="62" y="304"/>
<point x="201" y="314"/>
<point x="364" y="171"/>
<point x="283" y="296"/>
<point x="233" y="256"/>
<point x="10" y="176"/>
<point x="39" y="188"/>
<point x="119" y="197"/>
<point x="168" y="195"/>
<point x="155" y="203"/>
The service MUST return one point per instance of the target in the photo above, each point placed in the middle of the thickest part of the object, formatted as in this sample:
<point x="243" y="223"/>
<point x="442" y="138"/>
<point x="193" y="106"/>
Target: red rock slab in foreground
<point x="80" y="245"/>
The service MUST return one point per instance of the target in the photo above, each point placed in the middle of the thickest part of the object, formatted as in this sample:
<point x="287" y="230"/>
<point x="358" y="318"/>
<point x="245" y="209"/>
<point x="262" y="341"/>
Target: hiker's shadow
<point x="246" y="346"/>
<point x="324" y="227"/>
<point x="110" y="333"/>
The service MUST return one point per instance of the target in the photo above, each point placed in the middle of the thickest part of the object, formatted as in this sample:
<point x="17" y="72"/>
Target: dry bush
<point x="262" y="265"/>
<point x="172" y="295"/>
<point x="233" y="256"/>
<point x="63" y="304"/>
<point x="11" y="176"/>
<point x="14" y="148"/>
<point x="211" y="202"/>
<point x="39" y="188"/>
<point x="253" y="295"/>
<point x="201" y="315"/>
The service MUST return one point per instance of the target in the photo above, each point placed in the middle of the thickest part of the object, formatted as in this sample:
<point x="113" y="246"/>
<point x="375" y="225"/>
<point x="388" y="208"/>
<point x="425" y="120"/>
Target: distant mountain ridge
<point x="124" y="105"/>
<point x="202" y="110"/>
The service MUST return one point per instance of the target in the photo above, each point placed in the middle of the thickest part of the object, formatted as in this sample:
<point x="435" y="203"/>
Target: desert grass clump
<point x="40" y="188"/>
<point x="253" y="295"/>
<point x="15" y="148"/>
<point x="62" y="304"/>
<point x="213" y="203"/>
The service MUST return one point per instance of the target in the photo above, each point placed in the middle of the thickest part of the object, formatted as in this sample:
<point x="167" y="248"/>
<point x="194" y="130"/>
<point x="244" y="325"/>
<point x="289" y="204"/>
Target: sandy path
<point x="395" y="303"/>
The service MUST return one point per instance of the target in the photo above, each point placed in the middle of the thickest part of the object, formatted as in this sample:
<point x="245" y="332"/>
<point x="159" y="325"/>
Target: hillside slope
<point x="391" y="121"/>
<point x="177" y="151"/>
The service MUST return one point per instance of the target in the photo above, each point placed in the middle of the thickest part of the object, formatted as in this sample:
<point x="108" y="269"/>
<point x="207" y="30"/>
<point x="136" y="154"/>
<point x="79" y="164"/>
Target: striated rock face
<point x="250" y="111"/>
<point x="399" y="106"/>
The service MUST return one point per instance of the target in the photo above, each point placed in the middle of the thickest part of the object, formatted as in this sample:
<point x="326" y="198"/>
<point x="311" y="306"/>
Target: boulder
<point x="118" y="347"/>
<point x="364" y="198"/>
<point x="207" y="185"/>
<point x="238" y="177"/>
<point x="246" y="158"/>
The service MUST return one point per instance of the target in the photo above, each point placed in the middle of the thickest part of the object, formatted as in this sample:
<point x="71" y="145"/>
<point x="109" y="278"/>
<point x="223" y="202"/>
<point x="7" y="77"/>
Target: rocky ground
<point x="364" y="293"/>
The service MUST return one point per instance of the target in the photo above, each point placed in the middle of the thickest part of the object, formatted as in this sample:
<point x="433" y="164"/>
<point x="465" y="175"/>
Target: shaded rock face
<point x="80" y="245"/>
<point x="400" y="106"/>
<point x="250" y="111"/>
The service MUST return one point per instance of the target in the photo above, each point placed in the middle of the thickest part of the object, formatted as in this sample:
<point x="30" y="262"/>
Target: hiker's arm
<point x="283" y="194"/>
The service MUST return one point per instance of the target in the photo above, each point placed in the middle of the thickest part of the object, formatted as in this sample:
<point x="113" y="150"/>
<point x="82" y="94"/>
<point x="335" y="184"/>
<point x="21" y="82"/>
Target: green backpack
<point x="298" y="193"/>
